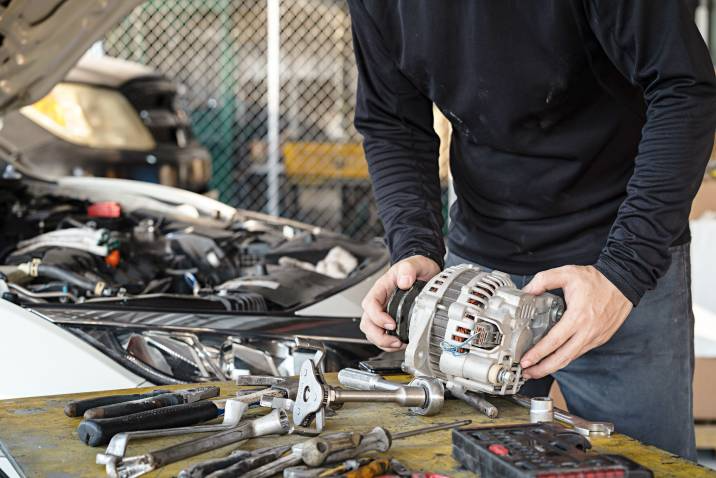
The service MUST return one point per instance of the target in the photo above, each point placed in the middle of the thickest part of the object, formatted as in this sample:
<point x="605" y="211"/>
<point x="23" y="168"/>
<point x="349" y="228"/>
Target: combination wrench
<point x="580" y="425"/>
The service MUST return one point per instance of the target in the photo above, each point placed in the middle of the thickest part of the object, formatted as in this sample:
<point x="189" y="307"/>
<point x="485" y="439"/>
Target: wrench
<point x="233" y="411"/>
<point x="274" y="423"/>
<point x="580" y="425"/>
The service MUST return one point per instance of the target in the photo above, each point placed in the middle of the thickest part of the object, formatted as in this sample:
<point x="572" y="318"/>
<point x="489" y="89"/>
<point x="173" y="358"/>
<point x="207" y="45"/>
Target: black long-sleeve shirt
<point x="581" y="129"/>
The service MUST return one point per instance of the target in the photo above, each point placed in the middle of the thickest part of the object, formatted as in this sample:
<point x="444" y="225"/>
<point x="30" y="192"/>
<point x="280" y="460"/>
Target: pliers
<point x="111" y="415"/>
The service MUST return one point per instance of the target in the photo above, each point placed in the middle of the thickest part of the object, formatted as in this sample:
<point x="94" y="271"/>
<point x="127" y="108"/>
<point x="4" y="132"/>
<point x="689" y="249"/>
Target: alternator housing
<point x="470" y="328"/>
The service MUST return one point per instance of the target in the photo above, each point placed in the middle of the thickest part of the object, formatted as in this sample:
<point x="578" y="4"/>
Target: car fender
<point x="40" y="358"/>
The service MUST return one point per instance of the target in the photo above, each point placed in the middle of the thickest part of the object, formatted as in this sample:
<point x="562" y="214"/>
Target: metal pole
<point x="702" y="19"/>
<point x="273" y="100"/>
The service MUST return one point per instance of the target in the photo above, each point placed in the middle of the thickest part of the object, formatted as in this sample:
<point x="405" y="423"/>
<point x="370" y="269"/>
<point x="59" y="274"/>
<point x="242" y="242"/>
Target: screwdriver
<point x="339" y="447"/>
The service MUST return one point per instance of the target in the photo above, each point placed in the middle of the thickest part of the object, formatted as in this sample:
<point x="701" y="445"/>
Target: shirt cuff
<point x="620" y="276"/>
<point x="430" y="254"/>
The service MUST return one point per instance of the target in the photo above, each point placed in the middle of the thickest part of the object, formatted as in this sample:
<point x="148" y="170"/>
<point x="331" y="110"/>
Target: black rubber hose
<point x="55" y="272"/>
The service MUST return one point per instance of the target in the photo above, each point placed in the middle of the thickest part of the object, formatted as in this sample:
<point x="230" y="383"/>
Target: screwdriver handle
<point x="77" y="408"/>
<point x="95" y="432"/>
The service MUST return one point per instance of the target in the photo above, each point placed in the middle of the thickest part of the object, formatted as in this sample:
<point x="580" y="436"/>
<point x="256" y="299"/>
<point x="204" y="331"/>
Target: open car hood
<point x="42" y="39"/>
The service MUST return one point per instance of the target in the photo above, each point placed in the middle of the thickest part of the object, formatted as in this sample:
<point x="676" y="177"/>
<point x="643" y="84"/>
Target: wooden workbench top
<point x="44" y="443"/>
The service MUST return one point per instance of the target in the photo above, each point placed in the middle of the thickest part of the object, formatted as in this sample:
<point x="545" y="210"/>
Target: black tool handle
<point x="99" y="431"/>
<point x="77" y="408"/>
<point x="135" y="406"/>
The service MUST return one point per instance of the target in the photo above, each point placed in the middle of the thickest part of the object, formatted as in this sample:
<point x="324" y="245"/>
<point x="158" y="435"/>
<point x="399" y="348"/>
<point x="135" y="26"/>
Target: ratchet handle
<point x="134" y="406"/>
<point x="77" y="408"/>
<point x="95" y="432"/>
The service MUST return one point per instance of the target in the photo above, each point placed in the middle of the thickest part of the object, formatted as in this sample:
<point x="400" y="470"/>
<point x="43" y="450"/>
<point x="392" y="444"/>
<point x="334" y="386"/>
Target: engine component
<point x="37" y="269"/>
<point x="94" y="241"/>
<point x="470" y="328"/>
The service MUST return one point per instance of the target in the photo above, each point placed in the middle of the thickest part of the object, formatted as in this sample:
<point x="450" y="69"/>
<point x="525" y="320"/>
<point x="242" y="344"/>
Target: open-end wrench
<point x="580" y="425"/>
<point x="233" y="411"/>
<point x="275" y="422"/>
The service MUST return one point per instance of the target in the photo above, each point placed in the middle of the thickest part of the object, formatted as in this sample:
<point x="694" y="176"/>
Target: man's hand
<point x="595" y="311"/>
<point x="375" y="320"/>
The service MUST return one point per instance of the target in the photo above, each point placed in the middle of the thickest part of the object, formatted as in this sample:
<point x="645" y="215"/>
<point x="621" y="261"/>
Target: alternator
<point x="470" y="328"/>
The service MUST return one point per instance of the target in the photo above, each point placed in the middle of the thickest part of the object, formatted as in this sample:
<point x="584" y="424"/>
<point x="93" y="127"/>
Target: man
<point x="581" y="132"/>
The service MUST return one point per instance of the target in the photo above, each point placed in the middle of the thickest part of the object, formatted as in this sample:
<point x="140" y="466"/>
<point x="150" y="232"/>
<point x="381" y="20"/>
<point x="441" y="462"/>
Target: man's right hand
<point x="375" y="320"/>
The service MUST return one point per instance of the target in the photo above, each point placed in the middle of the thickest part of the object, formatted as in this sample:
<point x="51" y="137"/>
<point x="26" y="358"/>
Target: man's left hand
<point x="595" y="311"/>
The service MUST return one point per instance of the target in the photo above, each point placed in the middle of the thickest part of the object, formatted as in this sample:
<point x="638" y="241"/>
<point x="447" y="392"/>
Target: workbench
<point x="44" y="443"/>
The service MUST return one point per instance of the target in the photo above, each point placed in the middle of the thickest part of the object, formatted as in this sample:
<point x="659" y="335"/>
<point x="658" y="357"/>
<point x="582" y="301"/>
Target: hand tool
<point x="235" y="464"/>
<point x="541" y="410"/>
<point x="364" y="380"/>
<point x="233" y="411"/>
<point x="253" y="460"/>
<point x="399" y="469"/>
<point x="283" y="388"/>
<point x="77" y="408"/>
<point x="584" y="427"/>
<point x="310" y="472"/>
<point x="275" y="422"/>
<point x="150" y="403"/>
<point x="425" y="396"/>
<point x="338" y="447"/>
<point x="536" y="450"/>
<point x="377" y="467"/>
<point x="280" y="391"/>
<point x="475" y="400"/>
<point x="99" y="431"/>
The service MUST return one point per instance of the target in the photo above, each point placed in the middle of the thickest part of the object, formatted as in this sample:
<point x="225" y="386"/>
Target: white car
<point x="113" y="283"/>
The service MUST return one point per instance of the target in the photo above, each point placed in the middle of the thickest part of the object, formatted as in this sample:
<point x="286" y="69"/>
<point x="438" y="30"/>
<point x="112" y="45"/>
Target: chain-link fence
<point x="270" y="91"/>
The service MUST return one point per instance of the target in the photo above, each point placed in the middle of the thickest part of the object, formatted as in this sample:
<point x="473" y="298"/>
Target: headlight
<point x="90" y="116"/>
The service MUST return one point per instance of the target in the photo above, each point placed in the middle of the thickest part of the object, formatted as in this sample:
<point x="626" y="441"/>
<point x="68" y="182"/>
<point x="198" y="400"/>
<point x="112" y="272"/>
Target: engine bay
<point x="56" y="249"/>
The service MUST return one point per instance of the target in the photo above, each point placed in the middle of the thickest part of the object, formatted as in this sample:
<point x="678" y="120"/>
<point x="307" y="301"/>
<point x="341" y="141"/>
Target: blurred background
<point x="269" y="89"/>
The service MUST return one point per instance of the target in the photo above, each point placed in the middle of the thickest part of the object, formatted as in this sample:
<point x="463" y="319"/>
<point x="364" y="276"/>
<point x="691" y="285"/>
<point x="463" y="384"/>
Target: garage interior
<point x="189" y="228"/>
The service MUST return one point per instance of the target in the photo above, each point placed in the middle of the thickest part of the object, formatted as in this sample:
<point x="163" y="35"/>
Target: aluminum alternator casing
<point x="470" y="328"/>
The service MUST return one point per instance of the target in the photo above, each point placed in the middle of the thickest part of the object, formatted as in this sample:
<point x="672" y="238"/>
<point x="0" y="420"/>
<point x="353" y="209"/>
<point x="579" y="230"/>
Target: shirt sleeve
<point x="656" y="46"/>
<point x="401" y="147"/>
